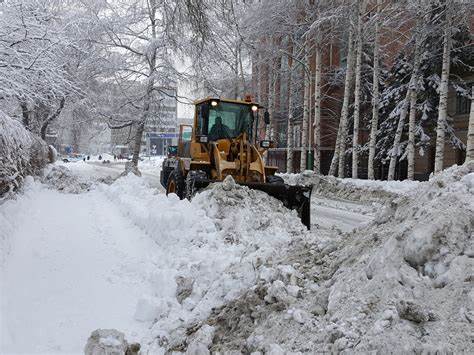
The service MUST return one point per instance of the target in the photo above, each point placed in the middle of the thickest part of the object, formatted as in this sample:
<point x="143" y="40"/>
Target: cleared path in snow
<point x="342" y="214"/>
<point x="70" y="254"/>
<point x="151" y="176"/>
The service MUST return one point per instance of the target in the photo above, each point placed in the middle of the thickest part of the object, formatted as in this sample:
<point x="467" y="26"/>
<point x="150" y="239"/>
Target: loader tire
<point x="192" y="182"/>
<point x="176" y="184"/>
<point x="273" y="179"/>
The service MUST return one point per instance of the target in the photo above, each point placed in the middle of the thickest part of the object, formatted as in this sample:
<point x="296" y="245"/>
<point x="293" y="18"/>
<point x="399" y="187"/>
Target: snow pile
<point x="109" y="342"/>
<point x="397" y="187"/>
<point x="151" y="164"/>
<point x="63" y="179"/>
<point x="9" y="212"/>
<point x="21" y="154"/>
<point x="352" y="189"/>
<point x="404" y="282"/>
<point x="209" y="249"/>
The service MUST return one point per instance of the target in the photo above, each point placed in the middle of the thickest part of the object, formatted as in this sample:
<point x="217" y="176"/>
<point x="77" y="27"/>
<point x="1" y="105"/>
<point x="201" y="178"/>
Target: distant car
<point x="71" y="158"/>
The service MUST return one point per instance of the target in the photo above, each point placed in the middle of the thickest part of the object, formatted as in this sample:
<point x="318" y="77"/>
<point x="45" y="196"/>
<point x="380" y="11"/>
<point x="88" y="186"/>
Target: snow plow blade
<point x="293" y="197"/>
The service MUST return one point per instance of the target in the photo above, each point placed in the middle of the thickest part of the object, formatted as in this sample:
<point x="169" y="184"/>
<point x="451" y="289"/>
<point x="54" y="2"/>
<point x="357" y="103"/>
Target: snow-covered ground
<point x="75" y="264"/>
<point x="116" y="256"/>
<point x="97" y="169"/>
<point x="234" y="269"/>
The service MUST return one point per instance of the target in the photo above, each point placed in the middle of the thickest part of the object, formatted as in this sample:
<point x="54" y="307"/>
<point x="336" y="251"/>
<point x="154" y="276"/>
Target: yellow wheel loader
<point x="223" y="141"/>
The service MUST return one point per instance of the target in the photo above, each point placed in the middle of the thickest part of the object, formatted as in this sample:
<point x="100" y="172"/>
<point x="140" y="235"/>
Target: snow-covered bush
<point x="21" y="154"/>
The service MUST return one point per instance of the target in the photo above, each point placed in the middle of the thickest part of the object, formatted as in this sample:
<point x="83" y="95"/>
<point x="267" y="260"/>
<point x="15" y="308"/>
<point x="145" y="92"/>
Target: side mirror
<point x="265" y="144"/>
<point x="266" y="117"/>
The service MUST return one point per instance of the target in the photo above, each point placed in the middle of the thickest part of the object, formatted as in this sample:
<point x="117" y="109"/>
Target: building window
<point x="463" y="105"/>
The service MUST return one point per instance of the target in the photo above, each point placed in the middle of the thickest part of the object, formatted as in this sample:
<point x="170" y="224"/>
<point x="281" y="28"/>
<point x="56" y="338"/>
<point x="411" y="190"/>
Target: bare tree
<point x="305" y="123"/>
<point x="147" y="32"/>
<point x="443" y="90"/>
<point x="375" y="95"/>
<point x="470" y="133"/>
<point x="357" y="93"/>
<point x="340" y="148"/>
<point x="317" y="111"/>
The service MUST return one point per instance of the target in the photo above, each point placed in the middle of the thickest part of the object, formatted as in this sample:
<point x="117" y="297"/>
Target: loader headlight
<point x="254" y="108"/>
<point x="265" y="144"/>
<point x="203" y="139"/>
<point x="214" y="103"/>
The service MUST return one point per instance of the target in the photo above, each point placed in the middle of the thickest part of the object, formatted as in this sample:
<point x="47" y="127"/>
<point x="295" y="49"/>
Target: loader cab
<point x="219" y="119"/>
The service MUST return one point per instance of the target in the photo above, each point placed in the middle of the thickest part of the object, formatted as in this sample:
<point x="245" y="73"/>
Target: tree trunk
<point x="137" y="143"/>
<point x="51" y="118"/>
<point x="25" y="114"/>
<point x="398" y="135"/>
<point x="149" y="89"/>
<point x="470" y="133"/>
<point x="289" y="140"/>
<point x="271" y="91"/>
<point x="305" y="125"/>
<point x="411" y="136"/>
<point x="339" y="153"/>
<point x="289" y="130"/>
<point x="355" y="132"/>
<point x="443" y="93"/>
<point x="317" y="112"/>
<point x="335" y="160"/>
<point x="375" y="100"/>
<point x="241" y="66"/>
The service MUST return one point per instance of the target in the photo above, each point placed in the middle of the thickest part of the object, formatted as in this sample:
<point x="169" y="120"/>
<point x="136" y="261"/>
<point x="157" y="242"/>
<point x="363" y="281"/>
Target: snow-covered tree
<point x="470" y="133"/>
<point x="443" y="88"/>
<point x="147" y="34"/>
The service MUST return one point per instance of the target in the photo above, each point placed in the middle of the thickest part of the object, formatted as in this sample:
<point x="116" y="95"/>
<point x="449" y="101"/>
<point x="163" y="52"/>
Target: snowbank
<point x="353" y="189"/>
<point x="398" y="187"/>
<point x="63" y="179"/>
<point x="21" y="154"/>
<point x="209" y="249"/>
<point x="403" y="282"/>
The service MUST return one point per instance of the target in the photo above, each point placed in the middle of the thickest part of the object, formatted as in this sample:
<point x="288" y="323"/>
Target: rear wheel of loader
<point x="176" y="184"/>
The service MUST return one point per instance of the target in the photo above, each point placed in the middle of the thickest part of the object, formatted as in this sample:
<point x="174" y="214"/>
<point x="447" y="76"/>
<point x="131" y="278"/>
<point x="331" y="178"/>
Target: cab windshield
<point x="228" y="120"/>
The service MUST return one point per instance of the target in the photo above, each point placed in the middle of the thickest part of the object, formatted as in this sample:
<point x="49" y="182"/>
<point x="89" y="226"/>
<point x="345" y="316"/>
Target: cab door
<point x="184" y="140"/>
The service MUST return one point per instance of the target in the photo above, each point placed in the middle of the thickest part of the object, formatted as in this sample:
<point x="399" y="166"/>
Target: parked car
<point x="71" y="158"/>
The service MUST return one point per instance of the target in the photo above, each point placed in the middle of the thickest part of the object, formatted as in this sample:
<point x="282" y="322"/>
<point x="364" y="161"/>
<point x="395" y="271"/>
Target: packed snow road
<point x="150" y="170"/>
<point x="337" y="213"/>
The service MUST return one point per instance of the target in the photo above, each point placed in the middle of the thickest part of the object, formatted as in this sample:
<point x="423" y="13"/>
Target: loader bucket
<point x="293" y="197"/>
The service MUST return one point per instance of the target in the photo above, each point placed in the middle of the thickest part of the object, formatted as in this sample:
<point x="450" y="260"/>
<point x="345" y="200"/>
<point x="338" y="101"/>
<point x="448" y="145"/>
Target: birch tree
<point x="375" y="95"/>
<point x="306" y="98"/>
<point x="411" y="136"/>
<point x="317" y="111"/>
<point x="339" y="151"/>
<point x="443" y="91"/>
<point x="395" y="152"/>
<point x="357" y="93"/>
<point x="289" y="131"/>
<point x="470" y="132"/>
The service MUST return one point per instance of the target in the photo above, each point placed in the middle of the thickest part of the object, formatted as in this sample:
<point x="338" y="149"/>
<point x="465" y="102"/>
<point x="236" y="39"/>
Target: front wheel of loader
<point x="195" y="180"/>
<point x="176" y="184"/>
